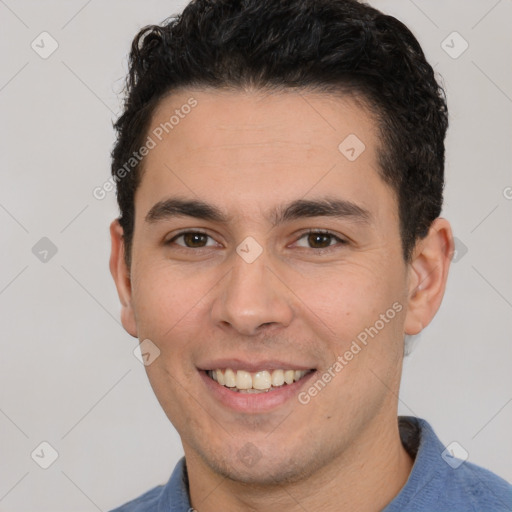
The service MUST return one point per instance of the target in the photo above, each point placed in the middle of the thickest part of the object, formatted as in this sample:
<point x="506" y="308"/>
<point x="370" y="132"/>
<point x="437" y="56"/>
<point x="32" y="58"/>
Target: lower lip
<point x="254" y="402"/>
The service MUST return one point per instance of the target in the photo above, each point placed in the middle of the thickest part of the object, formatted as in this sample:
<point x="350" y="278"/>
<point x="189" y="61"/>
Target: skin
<point x="247" y="153"/>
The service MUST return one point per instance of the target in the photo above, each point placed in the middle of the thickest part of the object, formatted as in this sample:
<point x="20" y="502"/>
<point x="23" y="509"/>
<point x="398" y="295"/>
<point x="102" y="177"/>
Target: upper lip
<point x="253" y="365"/>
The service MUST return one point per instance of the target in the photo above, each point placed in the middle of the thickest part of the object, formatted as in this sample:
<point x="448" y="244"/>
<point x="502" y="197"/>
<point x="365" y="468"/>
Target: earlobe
<point x="428" y="274"/>
<point x="121" y="275"/>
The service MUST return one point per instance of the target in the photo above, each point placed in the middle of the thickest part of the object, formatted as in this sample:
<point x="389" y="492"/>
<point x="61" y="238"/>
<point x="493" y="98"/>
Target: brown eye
<point x="194" y="239"/>
<point x="191" y="240"/>
<point x="320" y="240"/>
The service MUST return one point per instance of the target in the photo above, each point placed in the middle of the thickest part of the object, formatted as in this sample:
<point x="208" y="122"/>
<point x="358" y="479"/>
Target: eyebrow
<point x="298" y="209"/>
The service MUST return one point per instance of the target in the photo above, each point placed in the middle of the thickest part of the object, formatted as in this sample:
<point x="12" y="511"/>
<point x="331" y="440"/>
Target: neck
<point x="364" y="478"/>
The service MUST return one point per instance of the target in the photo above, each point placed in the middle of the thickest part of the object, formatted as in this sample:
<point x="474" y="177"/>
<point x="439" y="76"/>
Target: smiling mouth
<point x="262" y="381"/>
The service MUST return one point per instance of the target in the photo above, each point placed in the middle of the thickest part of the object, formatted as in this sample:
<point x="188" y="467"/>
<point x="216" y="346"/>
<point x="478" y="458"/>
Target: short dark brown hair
<point x="325" y="45"/>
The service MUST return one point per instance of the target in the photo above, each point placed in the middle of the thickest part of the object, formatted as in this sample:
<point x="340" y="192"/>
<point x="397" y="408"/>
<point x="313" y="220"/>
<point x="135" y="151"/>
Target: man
<point x="279" y="168"/>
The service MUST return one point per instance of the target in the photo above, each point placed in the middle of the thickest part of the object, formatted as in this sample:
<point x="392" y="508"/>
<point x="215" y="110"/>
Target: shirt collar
<point x="175" y="497"/>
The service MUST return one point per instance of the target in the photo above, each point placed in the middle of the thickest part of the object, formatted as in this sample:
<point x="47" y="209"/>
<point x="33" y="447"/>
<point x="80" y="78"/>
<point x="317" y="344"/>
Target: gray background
<point x="68" y="373"/>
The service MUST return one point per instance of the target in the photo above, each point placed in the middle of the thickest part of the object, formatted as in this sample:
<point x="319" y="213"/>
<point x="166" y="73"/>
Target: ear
<point x="428" y="273"/>
<point x="121" y="274"/>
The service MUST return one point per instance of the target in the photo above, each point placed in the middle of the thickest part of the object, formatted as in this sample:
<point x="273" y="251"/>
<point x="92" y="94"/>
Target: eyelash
<point x="306" y="233"/>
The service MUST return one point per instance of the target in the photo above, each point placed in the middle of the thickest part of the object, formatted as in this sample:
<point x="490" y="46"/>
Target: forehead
<point x="261" y="147"/>
<point x="239" y="120"/>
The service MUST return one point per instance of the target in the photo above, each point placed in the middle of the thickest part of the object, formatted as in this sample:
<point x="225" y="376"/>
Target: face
<point x="293" y="262"/>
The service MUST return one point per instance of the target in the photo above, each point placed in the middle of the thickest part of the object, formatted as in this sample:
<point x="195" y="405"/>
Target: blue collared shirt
<point x="438" y="482"/>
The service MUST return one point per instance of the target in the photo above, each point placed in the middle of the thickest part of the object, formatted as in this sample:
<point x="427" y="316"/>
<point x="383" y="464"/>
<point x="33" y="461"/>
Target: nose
<point x="252" y="298"/>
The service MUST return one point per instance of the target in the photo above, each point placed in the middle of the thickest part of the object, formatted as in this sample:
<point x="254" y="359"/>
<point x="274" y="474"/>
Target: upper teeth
<point x="264" y="379"/>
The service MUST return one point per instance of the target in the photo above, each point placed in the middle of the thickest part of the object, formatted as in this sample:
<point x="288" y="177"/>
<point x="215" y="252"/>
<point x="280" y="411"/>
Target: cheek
<point x="167" y="306"/>
<point x="165" y="299"/>
<point x="364" y="310"/>
<point x="347" y="297"/>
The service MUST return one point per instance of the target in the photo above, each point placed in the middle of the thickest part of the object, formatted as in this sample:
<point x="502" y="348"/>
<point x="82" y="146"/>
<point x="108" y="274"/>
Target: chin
<point x="261" y="471"/>
<point x="264" y="476"/>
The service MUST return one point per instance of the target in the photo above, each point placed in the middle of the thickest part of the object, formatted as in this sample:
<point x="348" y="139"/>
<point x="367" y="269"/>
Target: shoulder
<point x="147" y="502"/>
<point x="171" y="496"/>
<point x="479" y="488"/>
<point x="439" y="481"/>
